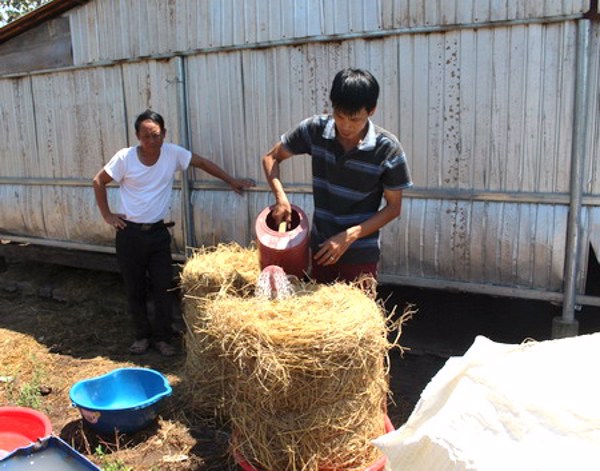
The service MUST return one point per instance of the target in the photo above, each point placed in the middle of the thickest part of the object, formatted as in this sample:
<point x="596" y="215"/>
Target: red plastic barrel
<point x="288" y="249"/>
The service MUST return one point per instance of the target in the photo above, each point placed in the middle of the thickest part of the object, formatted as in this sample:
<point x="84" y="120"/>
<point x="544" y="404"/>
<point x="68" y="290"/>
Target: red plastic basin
<point x="378" y="465"/>
<point x="21" y="426"/>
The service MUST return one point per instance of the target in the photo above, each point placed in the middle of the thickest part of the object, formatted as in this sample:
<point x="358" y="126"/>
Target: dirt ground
<point x="61" y="324"/>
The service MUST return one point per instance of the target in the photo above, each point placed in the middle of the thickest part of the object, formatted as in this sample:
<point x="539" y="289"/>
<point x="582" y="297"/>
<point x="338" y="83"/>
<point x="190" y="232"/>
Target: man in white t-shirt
<point x="145" y="175"/>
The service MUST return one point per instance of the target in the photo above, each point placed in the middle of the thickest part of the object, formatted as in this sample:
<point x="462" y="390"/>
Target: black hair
<point x="152" y="116"/>
<point x="354" y="89"/>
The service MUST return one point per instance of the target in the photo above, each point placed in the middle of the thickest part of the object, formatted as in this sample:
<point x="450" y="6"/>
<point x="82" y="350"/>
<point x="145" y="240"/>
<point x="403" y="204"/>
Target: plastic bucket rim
<point x="168" y="390"/>
<point x="302" y="226"/>
<point x="28" y="411"/>
<point x="43" y="419"/>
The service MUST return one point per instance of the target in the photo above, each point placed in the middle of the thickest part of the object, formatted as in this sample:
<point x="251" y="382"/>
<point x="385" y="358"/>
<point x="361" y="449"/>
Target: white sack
<point x="534" y="406"/>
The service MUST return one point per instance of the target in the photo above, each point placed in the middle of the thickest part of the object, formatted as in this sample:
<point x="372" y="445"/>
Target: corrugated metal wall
<point x="119" y="29"/>
<point x="480" y="93"/>
<point x="592" y="167"/>
<point x="71" y="122"/>
<point x="469" y="123"/>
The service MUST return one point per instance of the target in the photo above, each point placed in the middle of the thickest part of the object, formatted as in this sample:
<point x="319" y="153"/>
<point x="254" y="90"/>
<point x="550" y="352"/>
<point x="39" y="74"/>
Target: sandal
<point x="165" y="349"/>
<point x="139" y="347"/>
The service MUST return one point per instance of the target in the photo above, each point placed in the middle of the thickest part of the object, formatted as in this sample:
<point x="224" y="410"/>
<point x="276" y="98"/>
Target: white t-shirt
<point x="145" y="191"/>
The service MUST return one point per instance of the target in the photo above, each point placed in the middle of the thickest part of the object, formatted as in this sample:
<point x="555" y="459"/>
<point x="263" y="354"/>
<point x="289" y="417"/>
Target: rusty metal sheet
<point x="495" y="243"/>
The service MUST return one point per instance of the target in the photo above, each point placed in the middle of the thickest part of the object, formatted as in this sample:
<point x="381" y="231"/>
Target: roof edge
<point x="36" y="17"/>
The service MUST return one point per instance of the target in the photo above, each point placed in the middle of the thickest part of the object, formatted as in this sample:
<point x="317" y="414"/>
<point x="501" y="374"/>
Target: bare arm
<point x="237" y="184"/>
<point x="271" y="162"/>
<point x="337" y="245"/>
<point x="99" y="182"/>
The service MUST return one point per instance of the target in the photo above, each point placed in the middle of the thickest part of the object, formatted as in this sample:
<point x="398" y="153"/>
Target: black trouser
<point x="146" y="249"/>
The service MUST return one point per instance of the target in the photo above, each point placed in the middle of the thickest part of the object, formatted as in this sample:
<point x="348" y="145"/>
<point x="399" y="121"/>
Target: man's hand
<point x="116" y="220"/>
<point x="240" y="184"/>
<point x="333" y="248"/>
<point x="282" y="212"/>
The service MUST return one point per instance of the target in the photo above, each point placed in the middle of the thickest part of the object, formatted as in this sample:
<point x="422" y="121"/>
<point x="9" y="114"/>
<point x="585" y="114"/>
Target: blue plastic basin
<point x="124" y="400"/>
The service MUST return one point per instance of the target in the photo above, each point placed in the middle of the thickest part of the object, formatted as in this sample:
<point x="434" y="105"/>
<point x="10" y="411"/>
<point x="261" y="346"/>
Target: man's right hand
<point x="116" y="221"/>
<point x="282" y="212"/>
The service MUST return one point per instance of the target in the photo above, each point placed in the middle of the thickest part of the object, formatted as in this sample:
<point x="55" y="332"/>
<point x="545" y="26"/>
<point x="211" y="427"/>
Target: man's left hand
<point x="332" y="249"/>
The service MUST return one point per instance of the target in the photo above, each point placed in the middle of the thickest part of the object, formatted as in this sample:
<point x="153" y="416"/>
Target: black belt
<point x="149" y="226"/>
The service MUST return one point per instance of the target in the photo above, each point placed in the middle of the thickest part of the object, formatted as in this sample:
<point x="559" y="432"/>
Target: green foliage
<point x="28" y="394"/>
<point x="109" y="464"/>
<point x="10" y="10"/>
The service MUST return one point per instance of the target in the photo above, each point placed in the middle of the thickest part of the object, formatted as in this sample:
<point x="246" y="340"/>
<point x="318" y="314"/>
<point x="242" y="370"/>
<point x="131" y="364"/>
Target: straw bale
<point x="206" y="377"/>
<point x="226" y="268"/>
<point x="307" y="375"/>
<point x="210" y="272"/>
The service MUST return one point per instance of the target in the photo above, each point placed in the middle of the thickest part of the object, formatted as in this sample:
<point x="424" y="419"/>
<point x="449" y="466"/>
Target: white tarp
<point x="534" y="406"/>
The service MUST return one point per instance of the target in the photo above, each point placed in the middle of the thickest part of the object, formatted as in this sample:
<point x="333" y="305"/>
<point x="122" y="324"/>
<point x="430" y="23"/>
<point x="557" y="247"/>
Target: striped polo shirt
<point x="348" y="187"/>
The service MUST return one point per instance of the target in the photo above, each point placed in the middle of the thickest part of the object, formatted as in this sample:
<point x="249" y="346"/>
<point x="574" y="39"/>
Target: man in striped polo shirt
<point x="354" y="164"/>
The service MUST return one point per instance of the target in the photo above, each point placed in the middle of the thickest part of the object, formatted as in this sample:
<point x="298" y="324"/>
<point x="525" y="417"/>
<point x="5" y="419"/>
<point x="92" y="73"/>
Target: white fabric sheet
<point x="534" y="406"/>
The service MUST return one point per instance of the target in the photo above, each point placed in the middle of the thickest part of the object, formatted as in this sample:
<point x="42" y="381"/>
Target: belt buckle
<point x="146" y="227"/>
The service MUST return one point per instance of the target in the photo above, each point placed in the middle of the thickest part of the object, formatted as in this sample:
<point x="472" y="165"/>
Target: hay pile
<point x="303" y="380"/>
<point x="226" y="268"/>
<point x="209" y="273"/>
